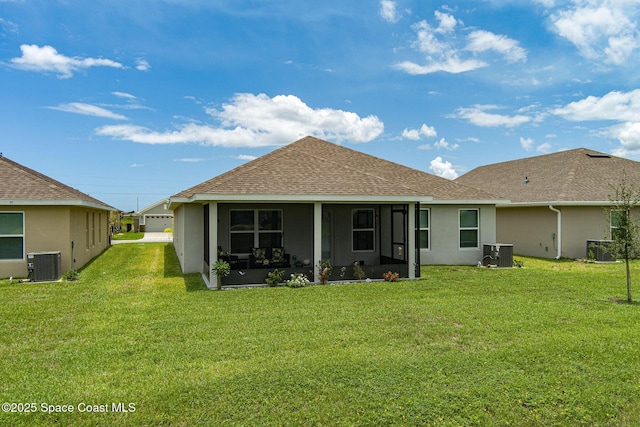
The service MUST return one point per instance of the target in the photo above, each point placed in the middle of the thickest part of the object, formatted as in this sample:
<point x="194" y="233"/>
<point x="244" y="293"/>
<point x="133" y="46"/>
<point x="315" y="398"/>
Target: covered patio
<point x="295" y="237"/>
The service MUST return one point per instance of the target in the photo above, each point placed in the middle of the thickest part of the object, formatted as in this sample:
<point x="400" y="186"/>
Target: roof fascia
<point x="40" y="202"/>
<point x="471" y="202"/>
<point x="556" y="203"/>
<point x="298" y="198"/>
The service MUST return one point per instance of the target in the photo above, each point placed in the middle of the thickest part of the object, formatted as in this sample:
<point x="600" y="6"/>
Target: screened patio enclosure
<point x="256" y="238"/>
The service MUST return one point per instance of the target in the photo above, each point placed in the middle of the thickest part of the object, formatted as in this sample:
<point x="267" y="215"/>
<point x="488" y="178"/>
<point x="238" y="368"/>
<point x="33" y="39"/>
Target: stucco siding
<point x="54" y="228"/>
<point x="444" y="230"/>
<point x="534" y="230"/>
<point x="188" y="237"/>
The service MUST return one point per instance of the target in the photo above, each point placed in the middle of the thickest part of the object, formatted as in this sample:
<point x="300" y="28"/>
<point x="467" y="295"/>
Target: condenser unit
<point x="44" y="266"/>
<point x="497" y="254"/>
<point x="600" y="250"/>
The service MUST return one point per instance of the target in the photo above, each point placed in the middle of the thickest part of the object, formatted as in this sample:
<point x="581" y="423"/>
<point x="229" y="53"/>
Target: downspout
<point x="559" y="232"/>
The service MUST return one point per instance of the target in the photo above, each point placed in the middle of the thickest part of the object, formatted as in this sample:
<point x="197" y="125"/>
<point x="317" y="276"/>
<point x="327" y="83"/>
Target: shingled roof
<point x="21" y="185"/>
<point x="576" y="176"/>
<point x="314" y="167"/>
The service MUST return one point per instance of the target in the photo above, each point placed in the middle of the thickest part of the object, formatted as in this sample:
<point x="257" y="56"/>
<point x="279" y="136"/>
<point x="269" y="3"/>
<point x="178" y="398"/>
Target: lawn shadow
<point x="623" y="301"/>
<point x="192" y="282"/>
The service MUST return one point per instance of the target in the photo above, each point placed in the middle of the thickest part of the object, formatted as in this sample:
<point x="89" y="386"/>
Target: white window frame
<point x="427" y="229"/>
<point x="476" y="228"/>
<point x="22" y="236"/>
<point x="372" y="230"/>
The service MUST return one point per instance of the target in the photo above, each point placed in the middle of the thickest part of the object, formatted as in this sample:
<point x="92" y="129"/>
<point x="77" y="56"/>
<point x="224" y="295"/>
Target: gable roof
<point x="24" y="186"/>
<point x="579" y="176"/>
<point x="154" y="206"/>
<point x="314" y="169"/>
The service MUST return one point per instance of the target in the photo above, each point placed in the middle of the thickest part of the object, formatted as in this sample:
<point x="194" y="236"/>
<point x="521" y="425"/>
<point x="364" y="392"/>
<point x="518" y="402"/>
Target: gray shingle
<point x="311" y="166"/>
<point x="22" y="183"/>
<point x="579" y="175"/>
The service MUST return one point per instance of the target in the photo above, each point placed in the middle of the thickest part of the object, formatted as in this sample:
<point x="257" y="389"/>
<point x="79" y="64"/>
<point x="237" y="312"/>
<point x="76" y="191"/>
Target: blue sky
<point x="133" y="101"/>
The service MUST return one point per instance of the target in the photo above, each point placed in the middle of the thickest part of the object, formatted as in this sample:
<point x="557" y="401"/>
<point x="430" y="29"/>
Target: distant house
<point x="40" y="214"/>
<point x="558" y="200"/>
<point x="156" y="217"/>
<point x="314" y="200"/>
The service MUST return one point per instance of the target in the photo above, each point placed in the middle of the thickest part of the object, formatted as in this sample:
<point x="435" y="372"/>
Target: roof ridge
<point x="571" y="173"/>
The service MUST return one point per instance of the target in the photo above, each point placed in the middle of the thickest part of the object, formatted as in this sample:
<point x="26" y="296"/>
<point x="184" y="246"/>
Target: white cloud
<point x="479" y="116"/>
<point x="451" y="65"/>
<point x="8" y="26"/>
<point x="445" y="51"/>
<point x="445" y="145"/>
<point x="544" y="148"/>
<point x="619" y="106"/>
<point x="190" y="160"/>
<point x="443" y="168"/>
<point x="257" y="120"/>
<point x="124" y="95"/>
<point x="416" y="134"/>
<point x="389" y="12"/>
<point x="142" y="65"/>
<point x="88" y="110"/>
<point x="47" y="59"/>
<point x="482" y="41"/>
<point x="245" y="157"/>
<point x="526" y="143"/>
<point x="628" y="134"/>
<point x="600" y="29"/>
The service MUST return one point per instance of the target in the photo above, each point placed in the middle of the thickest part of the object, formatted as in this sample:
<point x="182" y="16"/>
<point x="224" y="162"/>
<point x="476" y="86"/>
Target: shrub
<point x="71" y="275"/>
<point x="298" y="280"/>
<point x="390" y="277"/>
<point x="274" y="277"/>
<point x="358" y="271"/>
<point x="325" y="271"/>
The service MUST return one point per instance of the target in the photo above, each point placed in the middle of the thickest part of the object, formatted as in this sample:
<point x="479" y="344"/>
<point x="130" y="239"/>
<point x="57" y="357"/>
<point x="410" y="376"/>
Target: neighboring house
<point x="156" y="217"/>
<point x="39" y="214"/>
<point x="558" y="201"/>
<point x="321" y="201"/>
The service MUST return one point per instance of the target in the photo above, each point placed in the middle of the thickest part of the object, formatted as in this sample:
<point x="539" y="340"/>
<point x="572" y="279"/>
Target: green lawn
<point x="550" y="344"/>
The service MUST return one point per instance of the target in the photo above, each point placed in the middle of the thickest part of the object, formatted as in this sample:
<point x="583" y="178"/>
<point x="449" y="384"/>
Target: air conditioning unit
<point x="600" y="250"/>
<point x="44" y="266"/>
<point x="497" y="254"/>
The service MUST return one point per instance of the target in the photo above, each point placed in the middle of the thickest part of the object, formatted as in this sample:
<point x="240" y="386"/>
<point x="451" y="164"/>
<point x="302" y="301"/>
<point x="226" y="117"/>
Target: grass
<point x="550" y="344"/>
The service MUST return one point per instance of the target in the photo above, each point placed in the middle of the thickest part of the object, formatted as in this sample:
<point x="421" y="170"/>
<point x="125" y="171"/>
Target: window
<point x="11" y="235"/>
<point x="469" y="228"/>
<point x="255" y="229"/>
<point x="363" y="230"/>
<point x="424" y="237"/>
<point x="86" y="229"/>
<point x="93" y="229"/>
<point x="618" y="219"/>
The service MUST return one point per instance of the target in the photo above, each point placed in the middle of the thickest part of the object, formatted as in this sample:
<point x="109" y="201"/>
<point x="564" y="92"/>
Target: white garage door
<point x="155" y="223"/>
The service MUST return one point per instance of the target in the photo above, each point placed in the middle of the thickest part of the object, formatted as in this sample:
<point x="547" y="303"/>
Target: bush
<point x="297" y="280"/>
<point x="71" y="275"/>
<point x="274" y="277"/>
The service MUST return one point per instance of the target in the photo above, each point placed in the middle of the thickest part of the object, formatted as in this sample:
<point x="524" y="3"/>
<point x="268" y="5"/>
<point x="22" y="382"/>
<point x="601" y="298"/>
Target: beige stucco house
<point x="40" y="214"/>
<point x="314" y="200"/>
<point x="558" y="201"/>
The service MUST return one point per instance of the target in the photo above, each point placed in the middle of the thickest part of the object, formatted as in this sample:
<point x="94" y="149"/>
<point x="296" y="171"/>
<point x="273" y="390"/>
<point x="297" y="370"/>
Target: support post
<point x="317" y="239"/>
<point x="411" y="244"/>
<point x="213" y="241"/>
